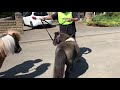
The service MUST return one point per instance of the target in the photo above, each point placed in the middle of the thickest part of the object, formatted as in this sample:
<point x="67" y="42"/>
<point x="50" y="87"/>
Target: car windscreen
<point x="40" y="13"/>
<point x="25" y="14"/>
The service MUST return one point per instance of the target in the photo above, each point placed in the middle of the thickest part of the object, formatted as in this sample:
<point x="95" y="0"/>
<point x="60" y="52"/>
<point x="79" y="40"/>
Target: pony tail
<point x="59" y="65"/>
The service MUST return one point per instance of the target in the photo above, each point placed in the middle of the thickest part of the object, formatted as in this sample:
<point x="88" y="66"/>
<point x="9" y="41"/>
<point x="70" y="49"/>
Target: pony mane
<point x="62" y="36"/>
<point x="16" y="33"/>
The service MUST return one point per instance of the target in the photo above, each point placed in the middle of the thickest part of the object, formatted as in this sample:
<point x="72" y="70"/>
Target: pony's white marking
<point x="9" y="43"/>
<point x="70" y="39"/>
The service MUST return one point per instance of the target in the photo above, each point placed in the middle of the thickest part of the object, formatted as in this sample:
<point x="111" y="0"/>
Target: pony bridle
<point x="9" y="43"/>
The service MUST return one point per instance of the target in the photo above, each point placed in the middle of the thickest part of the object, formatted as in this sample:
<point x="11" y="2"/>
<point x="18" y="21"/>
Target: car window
<point x="40" y="13"/>
<point x="25" y="14"/>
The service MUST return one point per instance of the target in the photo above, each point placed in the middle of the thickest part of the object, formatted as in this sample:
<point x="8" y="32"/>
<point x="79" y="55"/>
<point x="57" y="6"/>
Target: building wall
<point x="16" y="24"/>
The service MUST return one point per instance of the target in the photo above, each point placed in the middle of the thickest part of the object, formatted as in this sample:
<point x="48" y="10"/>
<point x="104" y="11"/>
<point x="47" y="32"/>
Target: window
<point x="25" y="14"/>
<point x="40" y="13"/>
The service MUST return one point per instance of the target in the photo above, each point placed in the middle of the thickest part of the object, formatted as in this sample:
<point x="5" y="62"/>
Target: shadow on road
<point x="24" y="68"/>
<point x="82" y="66"/>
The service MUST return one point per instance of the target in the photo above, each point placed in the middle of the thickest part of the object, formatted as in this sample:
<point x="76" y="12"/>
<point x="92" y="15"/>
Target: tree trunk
<point x="89" y="16"/>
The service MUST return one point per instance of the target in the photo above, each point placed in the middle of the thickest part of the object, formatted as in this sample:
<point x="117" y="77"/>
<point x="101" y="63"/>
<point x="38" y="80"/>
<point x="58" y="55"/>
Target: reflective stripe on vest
<point x="62" y="17"/>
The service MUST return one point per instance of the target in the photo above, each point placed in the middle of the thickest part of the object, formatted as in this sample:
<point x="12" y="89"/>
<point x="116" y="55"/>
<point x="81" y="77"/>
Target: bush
<point x="7" y="14"/>
<point x="108" y="20"/>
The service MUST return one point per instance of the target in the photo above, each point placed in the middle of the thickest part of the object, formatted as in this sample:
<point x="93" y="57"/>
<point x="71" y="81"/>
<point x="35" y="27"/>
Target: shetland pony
<point x="9" y="43"/>
<point x="67" y="52"/>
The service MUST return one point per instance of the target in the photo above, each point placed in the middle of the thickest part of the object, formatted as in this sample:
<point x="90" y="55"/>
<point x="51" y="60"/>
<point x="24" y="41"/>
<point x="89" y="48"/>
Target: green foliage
<point x="7" y="14"/>
<point x="110" y="19"/>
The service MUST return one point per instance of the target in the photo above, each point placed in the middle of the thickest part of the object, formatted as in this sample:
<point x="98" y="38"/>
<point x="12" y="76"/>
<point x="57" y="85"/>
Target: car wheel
<point x="31" y="25"/>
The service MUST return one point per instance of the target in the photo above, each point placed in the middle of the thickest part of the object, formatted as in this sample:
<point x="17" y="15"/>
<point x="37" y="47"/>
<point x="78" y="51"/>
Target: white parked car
<point x="32" y="19"/>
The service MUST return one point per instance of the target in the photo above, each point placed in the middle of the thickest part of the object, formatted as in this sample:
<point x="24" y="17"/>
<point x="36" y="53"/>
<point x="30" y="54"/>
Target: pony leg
<point x="68" y="70"/>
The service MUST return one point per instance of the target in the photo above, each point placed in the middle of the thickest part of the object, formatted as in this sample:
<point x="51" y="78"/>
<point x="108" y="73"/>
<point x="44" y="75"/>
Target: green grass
<point x="108" y="20"/>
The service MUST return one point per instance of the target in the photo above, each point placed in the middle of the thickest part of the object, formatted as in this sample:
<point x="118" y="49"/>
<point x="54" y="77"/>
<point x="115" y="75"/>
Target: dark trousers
<point x="73" y="35"/>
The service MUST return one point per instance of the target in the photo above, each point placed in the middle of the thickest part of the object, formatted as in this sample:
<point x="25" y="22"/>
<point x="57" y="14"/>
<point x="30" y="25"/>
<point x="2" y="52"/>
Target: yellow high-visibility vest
<point x="62" y="18"/>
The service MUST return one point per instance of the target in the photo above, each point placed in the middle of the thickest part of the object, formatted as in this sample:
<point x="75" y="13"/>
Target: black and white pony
<point x="67" y="52"/>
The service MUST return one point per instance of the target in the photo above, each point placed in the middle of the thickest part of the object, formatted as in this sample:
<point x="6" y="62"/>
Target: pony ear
<point x="15" y="36"/>
<point x="57" y="33"/>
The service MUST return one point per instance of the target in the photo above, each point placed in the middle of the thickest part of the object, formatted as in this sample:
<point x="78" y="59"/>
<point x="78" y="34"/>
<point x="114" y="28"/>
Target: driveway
<point x="99" y="48"/>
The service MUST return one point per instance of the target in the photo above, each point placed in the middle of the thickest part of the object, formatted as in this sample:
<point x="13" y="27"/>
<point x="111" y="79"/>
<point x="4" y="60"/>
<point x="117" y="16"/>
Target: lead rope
<point x="46" y="29"/>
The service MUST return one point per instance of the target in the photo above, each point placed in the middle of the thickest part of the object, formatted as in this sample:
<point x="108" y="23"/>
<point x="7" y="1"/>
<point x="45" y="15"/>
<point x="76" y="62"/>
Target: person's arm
<point x="75" y="17"/>
<point x="46" y="18"/>
<point x="54" y="16"/>
<point x="72" y="19"/>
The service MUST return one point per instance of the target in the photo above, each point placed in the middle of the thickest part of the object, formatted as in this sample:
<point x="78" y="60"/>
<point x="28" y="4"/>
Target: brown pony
<point x="9" y="43"/>
<point x="67" y="52"/>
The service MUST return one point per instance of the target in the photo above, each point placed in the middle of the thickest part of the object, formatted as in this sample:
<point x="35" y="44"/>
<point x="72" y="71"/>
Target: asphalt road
<point x="99" y="48"/>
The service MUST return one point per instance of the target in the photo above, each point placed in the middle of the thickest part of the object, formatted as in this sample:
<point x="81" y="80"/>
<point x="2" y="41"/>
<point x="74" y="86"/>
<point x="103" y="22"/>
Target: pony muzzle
<point x="18" y="49"/>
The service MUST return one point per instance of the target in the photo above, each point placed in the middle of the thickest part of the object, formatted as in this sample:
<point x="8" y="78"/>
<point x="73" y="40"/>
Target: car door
<point x="27" y="18"/>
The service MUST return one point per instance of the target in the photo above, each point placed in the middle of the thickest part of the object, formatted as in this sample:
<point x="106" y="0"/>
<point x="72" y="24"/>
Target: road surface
<point x="100" y="49"/>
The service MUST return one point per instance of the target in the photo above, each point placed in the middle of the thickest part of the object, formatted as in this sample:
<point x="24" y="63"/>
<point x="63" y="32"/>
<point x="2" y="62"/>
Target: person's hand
<point x="43" y="18"/>
<point x="68" y="19"/>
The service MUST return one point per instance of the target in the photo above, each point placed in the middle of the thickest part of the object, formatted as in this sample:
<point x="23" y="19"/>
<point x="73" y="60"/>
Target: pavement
<point x="99" y="48"/>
